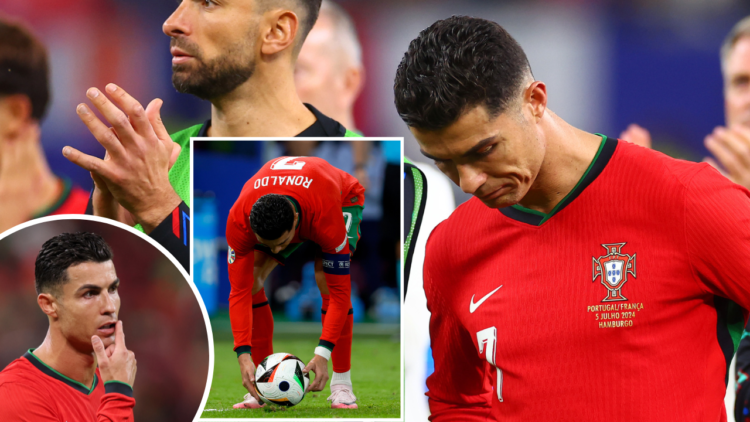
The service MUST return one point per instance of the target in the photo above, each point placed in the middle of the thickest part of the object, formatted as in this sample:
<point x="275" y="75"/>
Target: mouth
<point x="495" y="194"/>
<point x="107" y="329"/>
<point x="179" y="56"/>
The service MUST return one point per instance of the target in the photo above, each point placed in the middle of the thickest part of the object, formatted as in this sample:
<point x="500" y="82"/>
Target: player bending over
<point x="289" y="201"/>
<point x="77" y="286"/>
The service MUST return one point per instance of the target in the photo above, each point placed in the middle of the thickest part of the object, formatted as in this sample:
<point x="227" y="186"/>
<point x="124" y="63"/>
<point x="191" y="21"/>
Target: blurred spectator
<point x="28" y="188"/>
<point x="329" y="74"/>
<point x="731" y="144"/>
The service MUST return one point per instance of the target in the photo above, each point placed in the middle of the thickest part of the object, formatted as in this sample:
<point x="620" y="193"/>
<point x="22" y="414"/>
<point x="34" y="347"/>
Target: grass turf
<point x="375" y="377"/>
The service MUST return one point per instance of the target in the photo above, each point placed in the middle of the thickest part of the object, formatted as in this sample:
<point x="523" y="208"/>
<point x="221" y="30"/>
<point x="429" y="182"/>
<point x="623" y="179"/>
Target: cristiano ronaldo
<point x="540" y="308"/>
<point x="60" y="380"/>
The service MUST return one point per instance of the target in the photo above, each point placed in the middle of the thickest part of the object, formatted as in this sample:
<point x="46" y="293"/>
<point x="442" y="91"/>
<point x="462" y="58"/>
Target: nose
<point x="109" y="305"/>
<point x="177" y="23"/>
<point x="277" y="249"/>
<point x="469" y="178"/>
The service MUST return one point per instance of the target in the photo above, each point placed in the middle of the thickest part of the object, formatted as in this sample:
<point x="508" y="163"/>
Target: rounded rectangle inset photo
<point x="97" y="323"/>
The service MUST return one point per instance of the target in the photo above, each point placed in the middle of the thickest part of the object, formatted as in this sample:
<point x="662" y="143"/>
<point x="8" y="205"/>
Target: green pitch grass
<point x="375" y="376"/>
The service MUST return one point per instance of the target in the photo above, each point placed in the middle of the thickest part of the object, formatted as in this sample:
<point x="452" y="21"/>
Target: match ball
<point x="279" y="380"/>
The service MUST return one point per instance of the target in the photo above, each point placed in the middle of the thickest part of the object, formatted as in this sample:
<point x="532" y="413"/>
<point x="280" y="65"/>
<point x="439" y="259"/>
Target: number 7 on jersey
<point x="487" y="340"/>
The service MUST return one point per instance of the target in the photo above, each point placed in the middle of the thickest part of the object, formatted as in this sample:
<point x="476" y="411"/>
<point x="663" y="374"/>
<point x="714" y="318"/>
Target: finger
<point x="103" y="133"/>
<point x="137" y="115"/>
<point x="153" y="112"/>
<point x="735" y="142"/>
<point x="86" y="161"/>
<point x="119" y="336"/>
<point x="176" y="149"/>
<point x="101" y="354"/>
<point x="723" y="154"/>
<point x="110" y="349"/>
<point x="114" y="115"/>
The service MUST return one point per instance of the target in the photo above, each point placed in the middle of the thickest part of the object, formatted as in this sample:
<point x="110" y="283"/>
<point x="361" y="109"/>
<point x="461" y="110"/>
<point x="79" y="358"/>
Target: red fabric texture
<point x="564" y="353"/>
<point x="27" y="394"/>
<point x="262" y="328"/>
<point x="321" y="191"/>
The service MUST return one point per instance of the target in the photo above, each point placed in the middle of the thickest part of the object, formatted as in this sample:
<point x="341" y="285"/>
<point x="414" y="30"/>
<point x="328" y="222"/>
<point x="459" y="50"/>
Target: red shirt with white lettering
<point x="318" y="191"/>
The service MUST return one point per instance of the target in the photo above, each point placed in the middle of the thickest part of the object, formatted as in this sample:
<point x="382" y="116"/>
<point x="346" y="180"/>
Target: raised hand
<point x="636" y="135"/>
<point x="135" y="171"/>
<point x="731" y="147"/>
<point x="116" y="362"/>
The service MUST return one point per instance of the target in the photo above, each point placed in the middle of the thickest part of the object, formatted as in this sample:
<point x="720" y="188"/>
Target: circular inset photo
<point x="97" y="323"/>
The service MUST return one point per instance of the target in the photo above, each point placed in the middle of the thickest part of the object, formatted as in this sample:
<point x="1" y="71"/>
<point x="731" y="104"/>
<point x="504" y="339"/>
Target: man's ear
<point x="48" y="303"/>
<point x="535" y="96"/>
<point x="279" y="32"/>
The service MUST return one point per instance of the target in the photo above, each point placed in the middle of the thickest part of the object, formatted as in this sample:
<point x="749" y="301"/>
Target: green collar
<point x="67" y="186"/>
<point x="537" y="218"/>
<point x="47" y="370"/>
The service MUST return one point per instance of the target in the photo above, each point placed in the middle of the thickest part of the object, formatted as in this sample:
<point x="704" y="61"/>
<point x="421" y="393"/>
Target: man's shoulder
<point x="656" y="167"/>
<point x="183" y="136"/>
<point x="19" y="372"/>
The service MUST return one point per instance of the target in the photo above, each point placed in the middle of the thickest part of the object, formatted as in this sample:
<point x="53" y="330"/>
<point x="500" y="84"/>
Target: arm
<point x="460" y="387"/>
<point x="117" y="403"/>
<point x="717" y="231"/>
<point x="174" y="234"/>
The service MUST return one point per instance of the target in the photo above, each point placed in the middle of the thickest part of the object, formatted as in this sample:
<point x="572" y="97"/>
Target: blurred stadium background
<point x="159" y="306"/>
<point x="607" y="63"/>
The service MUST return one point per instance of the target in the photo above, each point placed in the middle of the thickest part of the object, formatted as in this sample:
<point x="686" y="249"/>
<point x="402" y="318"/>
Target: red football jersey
<point x="318" y="191"/>
<point x="72" y="200"/>
<point x="622" y="305"/>
<point x="31" y="391"/>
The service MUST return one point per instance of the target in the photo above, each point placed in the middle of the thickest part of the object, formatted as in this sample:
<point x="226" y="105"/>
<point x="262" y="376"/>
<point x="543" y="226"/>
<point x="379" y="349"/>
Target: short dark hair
<point x="456" y="64"/>
<point x="64" y="251"/>
<point x="271" y="216"/>
<point x="312" y="10"/>
<point x="23" y="66"/>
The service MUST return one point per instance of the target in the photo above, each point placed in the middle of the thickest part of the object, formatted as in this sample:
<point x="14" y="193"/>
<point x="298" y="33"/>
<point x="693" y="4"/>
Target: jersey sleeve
<point x="717" y="230"/>
<point x="331" y="236"/>
<point x="460" y="387"/>
<point x="19" y="402"/>
<point x="240" y="260"/>
<point x="117" y="403"/>
<point x="174" y="234"/>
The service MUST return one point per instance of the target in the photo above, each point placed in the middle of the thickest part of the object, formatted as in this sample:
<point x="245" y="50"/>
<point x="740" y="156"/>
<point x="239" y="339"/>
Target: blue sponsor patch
<point x="337" y="264"/>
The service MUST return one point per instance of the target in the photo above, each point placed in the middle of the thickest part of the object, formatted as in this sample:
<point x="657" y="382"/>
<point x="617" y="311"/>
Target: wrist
<point x="323" y="352"/>
<point x="151" y="217"/>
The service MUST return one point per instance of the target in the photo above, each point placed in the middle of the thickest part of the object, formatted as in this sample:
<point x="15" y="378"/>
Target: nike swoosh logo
<point x="473" y="306"/>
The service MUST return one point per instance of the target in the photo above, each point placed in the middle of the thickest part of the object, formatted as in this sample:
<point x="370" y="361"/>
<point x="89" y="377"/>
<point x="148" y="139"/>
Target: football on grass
<point x="279" y="380"/>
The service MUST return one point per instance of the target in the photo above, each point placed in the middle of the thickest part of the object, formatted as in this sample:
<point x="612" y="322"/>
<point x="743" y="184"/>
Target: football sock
<point x="262" y="328"/>
<point x="342" y="353"/>
<point x="341" y="357"/>
<point x="342" y="378"/>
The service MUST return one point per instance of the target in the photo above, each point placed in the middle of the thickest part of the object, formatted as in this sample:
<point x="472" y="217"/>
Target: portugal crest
<point x="613" y="269"/>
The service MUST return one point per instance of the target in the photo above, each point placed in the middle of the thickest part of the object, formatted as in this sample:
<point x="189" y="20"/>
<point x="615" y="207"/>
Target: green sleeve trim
<point x="350" y="134"/>
<point x="118" y="382"/>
